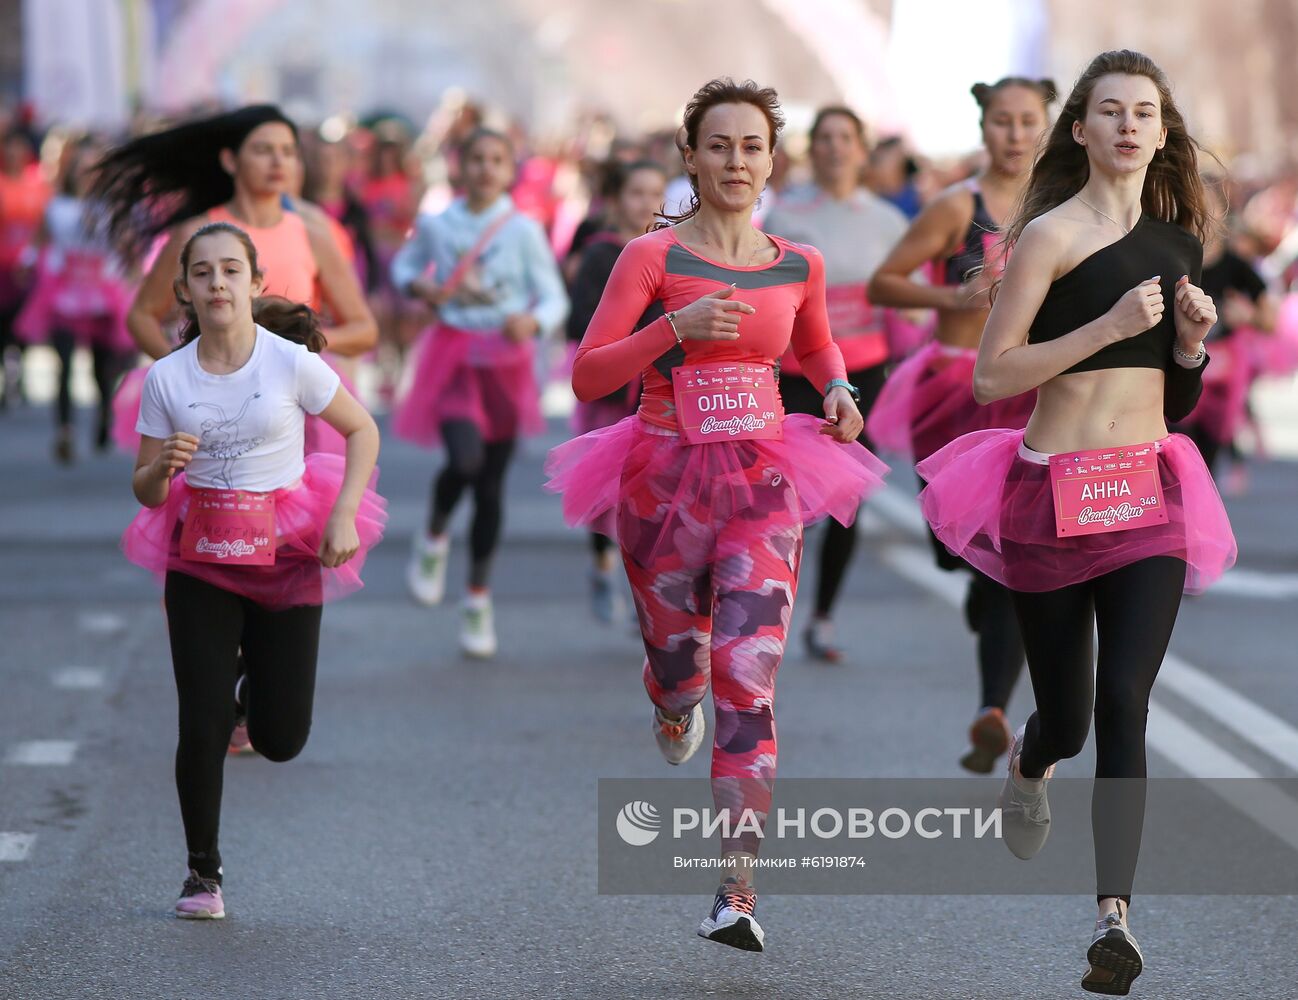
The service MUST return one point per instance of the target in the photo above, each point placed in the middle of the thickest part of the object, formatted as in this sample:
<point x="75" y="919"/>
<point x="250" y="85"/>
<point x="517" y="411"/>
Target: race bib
<point x="727" y="402"/>
<point x="1113" y="489"/>
<point x="230" y="527"/>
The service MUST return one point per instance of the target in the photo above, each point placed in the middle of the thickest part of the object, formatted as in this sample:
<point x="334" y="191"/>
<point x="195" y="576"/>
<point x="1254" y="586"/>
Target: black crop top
<point x="981" y="235"/>
<point x="1095" y="285"/>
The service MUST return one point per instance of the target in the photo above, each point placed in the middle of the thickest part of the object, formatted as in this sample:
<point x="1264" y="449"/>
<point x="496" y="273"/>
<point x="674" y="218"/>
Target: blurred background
<point x="390" y="85"/>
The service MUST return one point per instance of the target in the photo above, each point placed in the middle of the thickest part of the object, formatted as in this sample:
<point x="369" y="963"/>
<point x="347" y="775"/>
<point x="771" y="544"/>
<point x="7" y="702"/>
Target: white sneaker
<point x="679" y="741"/>
<point x="426" y="572"/>
<point x="477" y="631"/>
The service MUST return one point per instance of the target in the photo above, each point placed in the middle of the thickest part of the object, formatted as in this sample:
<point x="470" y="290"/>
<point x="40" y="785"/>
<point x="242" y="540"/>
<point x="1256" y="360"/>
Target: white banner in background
<point x="939" y="49"/>
<point x="73" y="61"/>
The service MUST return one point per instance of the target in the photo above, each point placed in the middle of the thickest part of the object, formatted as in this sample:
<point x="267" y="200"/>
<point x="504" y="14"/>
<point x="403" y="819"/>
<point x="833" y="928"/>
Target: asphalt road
<point x="437" y="836"/>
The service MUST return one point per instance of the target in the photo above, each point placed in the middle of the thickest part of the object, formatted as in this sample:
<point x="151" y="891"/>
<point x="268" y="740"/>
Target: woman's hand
<point x="843" y="420"/>
<point x="340" y="540"/>
<point x="713" y="317"/>
<point x="1195" y="315"/>
<point x="1137" y="311"/>
<point x="520" y="327"/>
<point x="177" y="452"/>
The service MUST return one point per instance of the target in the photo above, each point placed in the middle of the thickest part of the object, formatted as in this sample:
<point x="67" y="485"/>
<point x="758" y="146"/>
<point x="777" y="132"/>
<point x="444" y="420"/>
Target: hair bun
<point x="981" y="92"/>
<point x="1049" y="91"/>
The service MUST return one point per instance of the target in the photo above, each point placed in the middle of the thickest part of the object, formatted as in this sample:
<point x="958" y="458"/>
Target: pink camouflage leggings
<point x="714" y="583"/>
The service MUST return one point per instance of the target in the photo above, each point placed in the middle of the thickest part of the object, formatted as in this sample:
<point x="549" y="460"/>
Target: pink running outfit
<point x="711" y="534"/>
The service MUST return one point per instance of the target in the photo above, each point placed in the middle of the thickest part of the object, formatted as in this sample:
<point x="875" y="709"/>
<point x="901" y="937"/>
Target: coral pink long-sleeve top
<point x="788" y="295"/>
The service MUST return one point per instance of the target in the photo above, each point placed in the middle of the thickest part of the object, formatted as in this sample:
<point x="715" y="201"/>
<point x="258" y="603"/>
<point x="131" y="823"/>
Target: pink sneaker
<point x="240" y="744"/>
<point x="200" y="899"/>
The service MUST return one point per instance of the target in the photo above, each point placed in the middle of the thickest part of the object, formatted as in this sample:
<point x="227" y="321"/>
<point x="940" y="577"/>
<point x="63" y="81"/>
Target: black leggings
<point x="208" y="627"/>
<point x="471" y="462"/>
<point x="839" y="542"/>
<point x="107" y="366"/>
<point x="1133" y="609"/>
<point x="989" y="612"/>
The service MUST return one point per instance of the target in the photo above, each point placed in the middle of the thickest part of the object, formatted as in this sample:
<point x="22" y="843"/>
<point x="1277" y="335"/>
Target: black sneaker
<point x="732" y="921"/>
<point x="1115" y="958"/>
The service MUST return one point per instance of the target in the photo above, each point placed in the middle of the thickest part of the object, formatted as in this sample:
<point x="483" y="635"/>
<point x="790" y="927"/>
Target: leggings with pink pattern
<point x="714" y="588"/>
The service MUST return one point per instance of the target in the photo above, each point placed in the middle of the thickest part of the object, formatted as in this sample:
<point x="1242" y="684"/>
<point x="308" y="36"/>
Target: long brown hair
<point x="724" y="90"/>
<point x="1173" y="191"/>
<point x="290" y="320"/>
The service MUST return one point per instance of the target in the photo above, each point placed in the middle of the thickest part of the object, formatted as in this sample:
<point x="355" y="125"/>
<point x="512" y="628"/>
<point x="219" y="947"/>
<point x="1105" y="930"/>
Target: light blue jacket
<point x="515" y="273"/>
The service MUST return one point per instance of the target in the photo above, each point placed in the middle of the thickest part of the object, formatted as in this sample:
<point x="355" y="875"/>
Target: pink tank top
<point x="284" y="252"/>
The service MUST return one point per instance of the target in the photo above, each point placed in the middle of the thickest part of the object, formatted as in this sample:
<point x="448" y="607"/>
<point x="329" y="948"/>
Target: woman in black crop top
<point x="928" y="400"/>
<point x="1100" y="311"/>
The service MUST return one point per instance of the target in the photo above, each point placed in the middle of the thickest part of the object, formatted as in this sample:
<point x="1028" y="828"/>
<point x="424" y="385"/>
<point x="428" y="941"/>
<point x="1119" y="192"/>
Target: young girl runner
<point x="1095" y="518"/>
<point x="854" y="228"/>
<point x="928" y="400"/>
<point x="496" y="287"/>
<point x="711" y="485"/>
<point x="248" y="537"/>
<point x="635" y="197"/>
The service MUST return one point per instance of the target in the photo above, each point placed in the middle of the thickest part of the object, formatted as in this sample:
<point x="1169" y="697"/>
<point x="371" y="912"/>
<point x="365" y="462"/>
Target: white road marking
<point x="1253" y="583"/>
<point x="15" y="846"/>
<point x="78" y="678"/>
<point x="42" y="753"/>
<point x="101" y="622"/>
<point x="1199" y="757"/>
<point x="1259" y="727"/>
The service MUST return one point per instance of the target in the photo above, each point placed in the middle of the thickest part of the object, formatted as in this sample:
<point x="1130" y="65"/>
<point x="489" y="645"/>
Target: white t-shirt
<point x="249" y="423"/>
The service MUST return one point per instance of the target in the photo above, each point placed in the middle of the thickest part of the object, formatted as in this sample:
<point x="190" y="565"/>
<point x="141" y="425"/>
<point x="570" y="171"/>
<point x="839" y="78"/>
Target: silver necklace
<point x="1124" y="229"/>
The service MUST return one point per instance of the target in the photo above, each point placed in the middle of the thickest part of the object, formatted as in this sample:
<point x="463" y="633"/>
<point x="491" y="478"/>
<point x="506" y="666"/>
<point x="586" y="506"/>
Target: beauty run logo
<point x="732" y="425"/>
<point x="639" y="823"/>
<point x="1110" y="515"/>
<point x="232" y="549"/>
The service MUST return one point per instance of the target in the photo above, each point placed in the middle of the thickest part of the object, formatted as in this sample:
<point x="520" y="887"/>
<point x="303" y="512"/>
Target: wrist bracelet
<point x="842" y="383"/>
<point x="671" y="321"/>
<point x="1189" y="359"/>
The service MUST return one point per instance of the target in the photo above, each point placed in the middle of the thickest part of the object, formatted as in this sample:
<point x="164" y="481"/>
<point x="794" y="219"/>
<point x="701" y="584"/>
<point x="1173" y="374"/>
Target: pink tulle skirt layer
<point x="990" y="504"/>
<point x="91" y="307"/>
<point x="126" y="410"/>
<point x="297" y="578"/>
<point x="481" y="377"/>
<point x="713" y="483"/>
<point x="928" y="402"/>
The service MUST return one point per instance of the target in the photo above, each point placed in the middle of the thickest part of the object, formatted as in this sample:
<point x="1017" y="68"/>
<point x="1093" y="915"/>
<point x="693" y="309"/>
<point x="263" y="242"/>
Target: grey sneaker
<point x="678" y="741"/>
<point x="1114" y="956"/>
<point x="1025" y="815"/>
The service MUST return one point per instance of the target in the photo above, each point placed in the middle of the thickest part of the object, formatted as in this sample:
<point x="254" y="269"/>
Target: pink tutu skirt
<point x="80" y="299"/>
<point x="481" y="377"/>
<point x="928" y="402"/>
<point x="709" y="483"/>
<point x="153" y="541"/>
<point x="126" y="410"/>
<point x="905" y="336"/>
<point x="319" y="436"/>
<point x="988" y="500"/>
<point x="1222" y="410"/>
